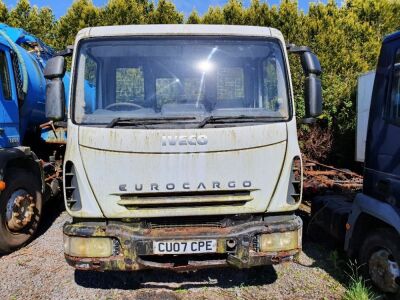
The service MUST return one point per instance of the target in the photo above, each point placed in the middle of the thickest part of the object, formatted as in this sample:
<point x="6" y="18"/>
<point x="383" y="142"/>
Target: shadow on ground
<point x="327" y="253"/>
<point x="51" y="211"/>
<point x="214" y="277"/>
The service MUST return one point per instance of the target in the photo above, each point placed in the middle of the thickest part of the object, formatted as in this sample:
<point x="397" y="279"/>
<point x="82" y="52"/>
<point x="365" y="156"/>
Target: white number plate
<point x="185" y="247"/>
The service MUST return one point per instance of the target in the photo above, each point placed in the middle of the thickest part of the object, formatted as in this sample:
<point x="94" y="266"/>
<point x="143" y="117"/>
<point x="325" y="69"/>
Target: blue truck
<point x="369" y="224"/>
<point x="30" y="147"/>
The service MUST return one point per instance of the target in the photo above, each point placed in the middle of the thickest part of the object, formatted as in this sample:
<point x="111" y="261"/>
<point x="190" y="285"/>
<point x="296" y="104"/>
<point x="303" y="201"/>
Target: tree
<point x="258" y="14"/>
<point x="121" y="12"/>
<point x="39" y="19"/>
<point x="214" y="15"/>
<point x="233" y="12"/>
<point x="290" y="21"/>
<point x="3" y="12"/>
<point x="382" y="15"/>
<point x="39" y="22"/>
<point x="165" y="13"/>
<point x="194" y="18"/>
<point x="81" y="14"/>
<point x="19" y="16"/>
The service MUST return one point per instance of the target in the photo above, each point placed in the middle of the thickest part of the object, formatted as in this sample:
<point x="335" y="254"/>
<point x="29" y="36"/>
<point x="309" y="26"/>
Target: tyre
<point x="380" y="258"/>
<point x="20" y="209"/>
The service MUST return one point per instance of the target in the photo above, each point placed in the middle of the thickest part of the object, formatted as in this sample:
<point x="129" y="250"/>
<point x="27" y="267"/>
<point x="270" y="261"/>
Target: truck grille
<point x="185" y="199"/>
<point x="216" y="221"/>
<point x="179" y="222"/>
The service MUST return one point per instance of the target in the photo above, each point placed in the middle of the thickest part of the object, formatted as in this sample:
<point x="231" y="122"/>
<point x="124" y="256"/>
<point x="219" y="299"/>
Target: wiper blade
<point x="205" y="121"/>
<point x="123" y="121"/>
<point x="113" y="122"/>
<point x="230" y="119"/>
<point x="145" y="121"/>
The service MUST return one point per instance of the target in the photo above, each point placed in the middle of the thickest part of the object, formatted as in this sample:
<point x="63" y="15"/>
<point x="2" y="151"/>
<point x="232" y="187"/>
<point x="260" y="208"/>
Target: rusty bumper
<point x="133" y="246"/>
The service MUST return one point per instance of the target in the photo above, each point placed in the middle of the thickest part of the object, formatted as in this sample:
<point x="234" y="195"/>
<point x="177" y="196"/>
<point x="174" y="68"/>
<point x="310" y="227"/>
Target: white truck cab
<point x="182" y="149"/>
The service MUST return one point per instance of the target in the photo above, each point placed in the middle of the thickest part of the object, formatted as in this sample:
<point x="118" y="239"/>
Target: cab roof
<point x="391" y="37"/>
<point x="187" y="29"/>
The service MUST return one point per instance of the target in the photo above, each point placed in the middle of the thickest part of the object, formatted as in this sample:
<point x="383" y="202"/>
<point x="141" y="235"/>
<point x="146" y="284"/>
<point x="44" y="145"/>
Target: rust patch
<point x="135" y="251"/>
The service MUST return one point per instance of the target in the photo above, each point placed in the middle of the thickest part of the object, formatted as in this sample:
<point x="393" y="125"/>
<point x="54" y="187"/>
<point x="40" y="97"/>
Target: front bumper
<point x="134" y="245"/>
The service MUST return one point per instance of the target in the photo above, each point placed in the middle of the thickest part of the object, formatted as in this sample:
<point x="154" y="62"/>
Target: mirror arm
<point x="67" y="52"/>
<point x="292" y="48"/>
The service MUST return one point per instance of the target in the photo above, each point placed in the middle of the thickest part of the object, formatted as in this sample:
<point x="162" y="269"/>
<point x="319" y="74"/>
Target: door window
<point x="274" y="86"/>
<point x="5" y="76"/>
<point x="394" y="103"/>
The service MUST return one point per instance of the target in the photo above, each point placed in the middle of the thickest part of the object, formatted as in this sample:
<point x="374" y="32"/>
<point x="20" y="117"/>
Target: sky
<point x="59" y="7"/>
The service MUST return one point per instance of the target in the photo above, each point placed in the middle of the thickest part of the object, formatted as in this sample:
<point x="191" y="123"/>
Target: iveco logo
<point x="181" y="140"/>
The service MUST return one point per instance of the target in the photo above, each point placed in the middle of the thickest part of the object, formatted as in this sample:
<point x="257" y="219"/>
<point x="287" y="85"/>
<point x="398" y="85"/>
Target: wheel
<point x="20" y="209"/>
<point x="380" y="257"/>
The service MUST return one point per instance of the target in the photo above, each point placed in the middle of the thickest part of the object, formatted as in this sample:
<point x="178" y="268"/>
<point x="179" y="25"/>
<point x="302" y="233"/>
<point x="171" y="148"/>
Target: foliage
<point x="214" y="15"/>
<point x="122" y="12"/>
<point x="357" y="288"/>
<point x="165" y="13"/>
<point x="37" y="21"/>
<point x="81" y="14"/>
<point x="194" y="18"/>
<point x="3" y="12"/>
<point x="346" y="37"/>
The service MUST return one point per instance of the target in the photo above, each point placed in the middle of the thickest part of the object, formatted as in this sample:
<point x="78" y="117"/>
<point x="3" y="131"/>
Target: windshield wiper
<point x="145" y="121"/>
<point x="231" y="119"/>
<point x="205" y="121"/>
<point x="120" y="121"/>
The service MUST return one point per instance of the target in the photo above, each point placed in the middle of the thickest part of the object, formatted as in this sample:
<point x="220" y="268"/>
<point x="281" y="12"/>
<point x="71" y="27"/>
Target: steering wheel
<point x="128" y="104"/>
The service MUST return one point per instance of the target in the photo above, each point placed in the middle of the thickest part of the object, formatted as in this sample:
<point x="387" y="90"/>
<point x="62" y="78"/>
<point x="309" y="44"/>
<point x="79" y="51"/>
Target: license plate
<point x="185" y="247"/>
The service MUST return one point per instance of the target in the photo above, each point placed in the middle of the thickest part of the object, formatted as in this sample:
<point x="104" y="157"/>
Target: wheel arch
<point x="22" y="159"/>
<point x="368" y="214"/>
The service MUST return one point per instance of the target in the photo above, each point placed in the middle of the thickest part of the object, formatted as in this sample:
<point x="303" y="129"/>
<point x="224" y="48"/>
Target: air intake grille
<point x="185" y="199"/>
<point x="294" y="190"/>
<point x="72" y="196"/>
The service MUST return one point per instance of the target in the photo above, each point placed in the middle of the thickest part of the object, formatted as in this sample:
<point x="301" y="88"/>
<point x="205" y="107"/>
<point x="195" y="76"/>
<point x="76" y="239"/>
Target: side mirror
<point x="55" y="91"/>
<point x="313" y="97"/>
<point x="312" y="85"/>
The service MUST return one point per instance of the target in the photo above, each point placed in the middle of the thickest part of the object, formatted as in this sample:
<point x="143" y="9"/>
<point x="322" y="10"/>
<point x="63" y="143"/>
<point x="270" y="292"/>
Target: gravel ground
<point x="39" y="271"/>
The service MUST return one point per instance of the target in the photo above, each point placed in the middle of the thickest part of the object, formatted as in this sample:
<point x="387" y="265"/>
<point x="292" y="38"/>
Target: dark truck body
<point x="371" y="220"/>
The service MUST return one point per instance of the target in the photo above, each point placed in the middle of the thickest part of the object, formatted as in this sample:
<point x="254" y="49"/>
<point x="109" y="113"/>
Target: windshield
<point x="177" y="77"/>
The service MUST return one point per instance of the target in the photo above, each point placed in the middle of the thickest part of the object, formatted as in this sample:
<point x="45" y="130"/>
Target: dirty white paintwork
<point x="107" y="158"/>
<point x="172" y="29"/>
<point x="364" y="94"/>
<point x="90" y="208"/>
<point x="278" y="202"/>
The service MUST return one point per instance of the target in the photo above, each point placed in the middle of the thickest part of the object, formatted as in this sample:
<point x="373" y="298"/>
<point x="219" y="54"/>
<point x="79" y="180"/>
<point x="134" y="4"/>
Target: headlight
<point x="280" y="241"/>
<point x="88" y="247"/>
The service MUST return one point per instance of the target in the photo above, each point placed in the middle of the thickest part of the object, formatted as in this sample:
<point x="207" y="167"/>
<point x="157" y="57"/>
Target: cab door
<point x="9" y="112"/>
<point x="382" y="169"/>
